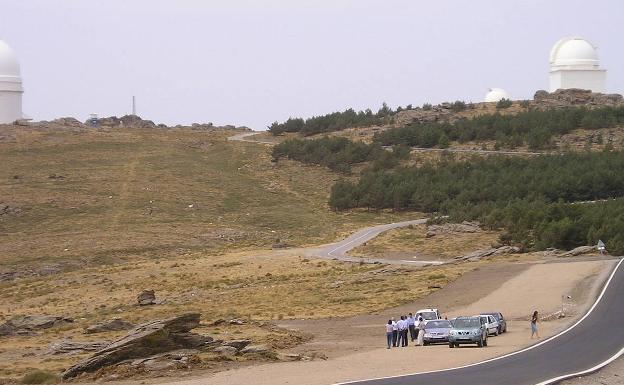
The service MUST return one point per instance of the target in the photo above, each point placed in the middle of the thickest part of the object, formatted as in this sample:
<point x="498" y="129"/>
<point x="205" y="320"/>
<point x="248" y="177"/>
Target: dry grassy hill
<point x="80" y="197"/>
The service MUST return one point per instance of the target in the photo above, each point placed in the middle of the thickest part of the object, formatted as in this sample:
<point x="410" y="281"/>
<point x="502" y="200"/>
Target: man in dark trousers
<point x="395" y="332"/>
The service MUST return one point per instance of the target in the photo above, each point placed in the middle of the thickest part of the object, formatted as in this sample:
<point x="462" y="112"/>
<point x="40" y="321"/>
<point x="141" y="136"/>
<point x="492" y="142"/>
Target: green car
<point x="468" y="330"/>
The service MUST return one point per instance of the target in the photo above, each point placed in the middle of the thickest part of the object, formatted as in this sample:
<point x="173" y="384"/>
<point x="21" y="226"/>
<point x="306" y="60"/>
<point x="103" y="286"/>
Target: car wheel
<point x="496" y="332"/>
<point x="500" y="330"/>
<point x="425" y="343"/>
<point x="451" y="345"/>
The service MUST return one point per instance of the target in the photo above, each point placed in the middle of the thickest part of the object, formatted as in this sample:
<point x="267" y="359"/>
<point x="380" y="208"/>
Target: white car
<point x="491" y="324"/>
<point x="428" y="314"/>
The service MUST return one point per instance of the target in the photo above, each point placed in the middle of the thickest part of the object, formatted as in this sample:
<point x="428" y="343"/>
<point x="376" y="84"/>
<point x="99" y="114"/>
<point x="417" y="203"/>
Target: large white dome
<point x="574" y="51"/>
<point x="495" y="95"/>
<point x="9" y="66"/>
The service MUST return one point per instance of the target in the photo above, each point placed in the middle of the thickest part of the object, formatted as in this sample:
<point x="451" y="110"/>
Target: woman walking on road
<point x="389" y="329"/>
<point x="534" y="320"/>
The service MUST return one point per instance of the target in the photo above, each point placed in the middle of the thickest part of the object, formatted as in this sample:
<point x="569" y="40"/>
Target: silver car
<point x="468" y="330"/>
<point x="437" y="331"/>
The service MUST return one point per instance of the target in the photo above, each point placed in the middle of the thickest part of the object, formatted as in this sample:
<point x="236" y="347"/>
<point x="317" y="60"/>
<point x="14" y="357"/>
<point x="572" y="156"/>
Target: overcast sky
<point x="250" y="63"/>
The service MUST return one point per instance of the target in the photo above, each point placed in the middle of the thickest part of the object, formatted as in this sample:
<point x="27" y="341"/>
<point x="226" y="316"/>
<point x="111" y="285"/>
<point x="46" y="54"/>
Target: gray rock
<point x="71" y="347"/>
<point x="115" y="324"/>
<point x="27" y="324"/>
<point x="148" y="339"/>
<point x="147" y="297"/>
<point x="255" y="349"/>
<point x="237" y="344"/>
<point x="226" y="350"/>
<point x="579" y="251"/>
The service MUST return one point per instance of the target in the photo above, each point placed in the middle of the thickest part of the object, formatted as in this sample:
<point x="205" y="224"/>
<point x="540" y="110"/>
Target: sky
<point x="251" y="63"/>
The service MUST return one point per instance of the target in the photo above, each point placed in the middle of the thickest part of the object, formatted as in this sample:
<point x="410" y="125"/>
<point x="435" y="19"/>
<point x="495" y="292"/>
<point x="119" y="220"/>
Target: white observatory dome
<point x="495" y="95"/>
<point x="574" y="52"/>
<point x="9" y="66"/>
<point x="10" y="86"/>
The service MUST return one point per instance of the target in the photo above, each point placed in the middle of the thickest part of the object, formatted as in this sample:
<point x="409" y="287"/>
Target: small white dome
<point x="9" y="66"/>
<point x="495" y="95"/>
<point x="574" y="51"/>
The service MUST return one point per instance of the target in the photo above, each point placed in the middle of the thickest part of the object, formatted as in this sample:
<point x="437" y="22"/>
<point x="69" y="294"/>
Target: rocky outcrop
<point x="574" y="97"/>
<point x="146" y="340"/>
<point x="129" y="121"/>
<point x="479" y="254"/>
<point x="71" y="347"/>
<point x="579" y="251"/>
<point x="115" y="324"/>
<point x="28" y="324"/>
<point x="146" y="297"/>
<point x="453" y="228"/>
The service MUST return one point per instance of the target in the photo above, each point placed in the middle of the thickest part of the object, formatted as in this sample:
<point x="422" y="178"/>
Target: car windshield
<point x="428" y="315"/>
<point x="466" y="323"/>
<point x="438" y="324"/>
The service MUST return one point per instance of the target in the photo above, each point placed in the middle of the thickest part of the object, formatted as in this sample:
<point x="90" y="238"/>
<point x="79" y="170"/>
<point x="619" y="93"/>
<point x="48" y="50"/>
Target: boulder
<point x="148" y="339"/>
<point x="147" y="297"/>
<point x="27" y="324"/>
<point x="115" y="324"/>
<point x="255" y="349"/>
<point x="237" y="344"/>
<point x="226" y="350"/>
<point x="579" y="251"/>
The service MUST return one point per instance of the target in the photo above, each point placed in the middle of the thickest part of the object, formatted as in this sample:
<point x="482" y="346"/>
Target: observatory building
<point x="574" y="64"/>
<point x="10" y="86"/>
<point x="495" y="95"/>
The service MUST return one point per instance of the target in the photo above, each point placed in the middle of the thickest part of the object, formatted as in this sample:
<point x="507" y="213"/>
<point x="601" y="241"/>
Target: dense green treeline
<point x="339" y="154"/>
<point x="530" y="198"/>
<point x="334" y="122"/>
<point x="534" y="128"/>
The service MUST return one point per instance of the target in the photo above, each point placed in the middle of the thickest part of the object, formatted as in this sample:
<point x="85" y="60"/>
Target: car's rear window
<point x="466" y="323"/>
<point x="437" y="324"/>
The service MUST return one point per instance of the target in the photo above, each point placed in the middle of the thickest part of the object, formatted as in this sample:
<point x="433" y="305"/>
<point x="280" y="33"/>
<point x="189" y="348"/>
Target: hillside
<point x="75" y="196"/>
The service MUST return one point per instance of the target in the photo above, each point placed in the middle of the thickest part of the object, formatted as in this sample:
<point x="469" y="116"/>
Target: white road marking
<point x="604" y="289"/>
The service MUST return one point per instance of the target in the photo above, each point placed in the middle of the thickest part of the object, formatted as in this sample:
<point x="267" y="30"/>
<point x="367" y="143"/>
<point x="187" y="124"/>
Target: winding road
<point x="340" y="249"/>
<point x="591" y="343"/>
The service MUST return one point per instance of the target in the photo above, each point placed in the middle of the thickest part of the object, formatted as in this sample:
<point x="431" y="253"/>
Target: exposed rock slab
<point x="115" y="324"/>
<point x="146" y="340"/>
<point x="579" y="251"/>
<point x="71" y="347"/>
<point x="27" y="324"/>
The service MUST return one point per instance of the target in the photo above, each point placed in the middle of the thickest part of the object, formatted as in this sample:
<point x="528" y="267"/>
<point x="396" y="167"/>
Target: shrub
<point x="427" y="106"/>
<point x="458" y="106"/>
<point x="504" y="103"/>
<point x="39" y="377"/>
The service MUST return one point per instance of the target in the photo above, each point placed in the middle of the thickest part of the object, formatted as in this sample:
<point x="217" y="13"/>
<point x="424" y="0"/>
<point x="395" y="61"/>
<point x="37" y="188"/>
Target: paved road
<point x="243" y="138"/>
<point x="595" y="339"/>
<point x="340" y="249"/>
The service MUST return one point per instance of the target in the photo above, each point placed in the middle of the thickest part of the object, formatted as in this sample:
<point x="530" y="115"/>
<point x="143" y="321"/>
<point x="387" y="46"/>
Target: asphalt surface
<point x="594" y="340"/>
<point x="340" y="249"/>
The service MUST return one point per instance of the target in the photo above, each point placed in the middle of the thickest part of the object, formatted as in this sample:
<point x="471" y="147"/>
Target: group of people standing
<point x="397" y="331"/>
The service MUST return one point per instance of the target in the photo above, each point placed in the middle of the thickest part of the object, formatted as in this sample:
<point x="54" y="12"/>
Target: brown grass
<point x="412" y="242"/>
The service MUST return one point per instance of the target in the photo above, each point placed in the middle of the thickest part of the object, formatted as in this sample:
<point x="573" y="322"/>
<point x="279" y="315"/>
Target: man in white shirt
<point x="395" y="332"/>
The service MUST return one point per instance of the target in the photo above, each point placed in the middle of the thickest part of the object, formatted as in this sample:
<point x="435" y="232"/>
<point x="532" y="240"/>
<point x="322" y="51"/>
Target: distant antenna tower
<point x="133" y="105"/>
